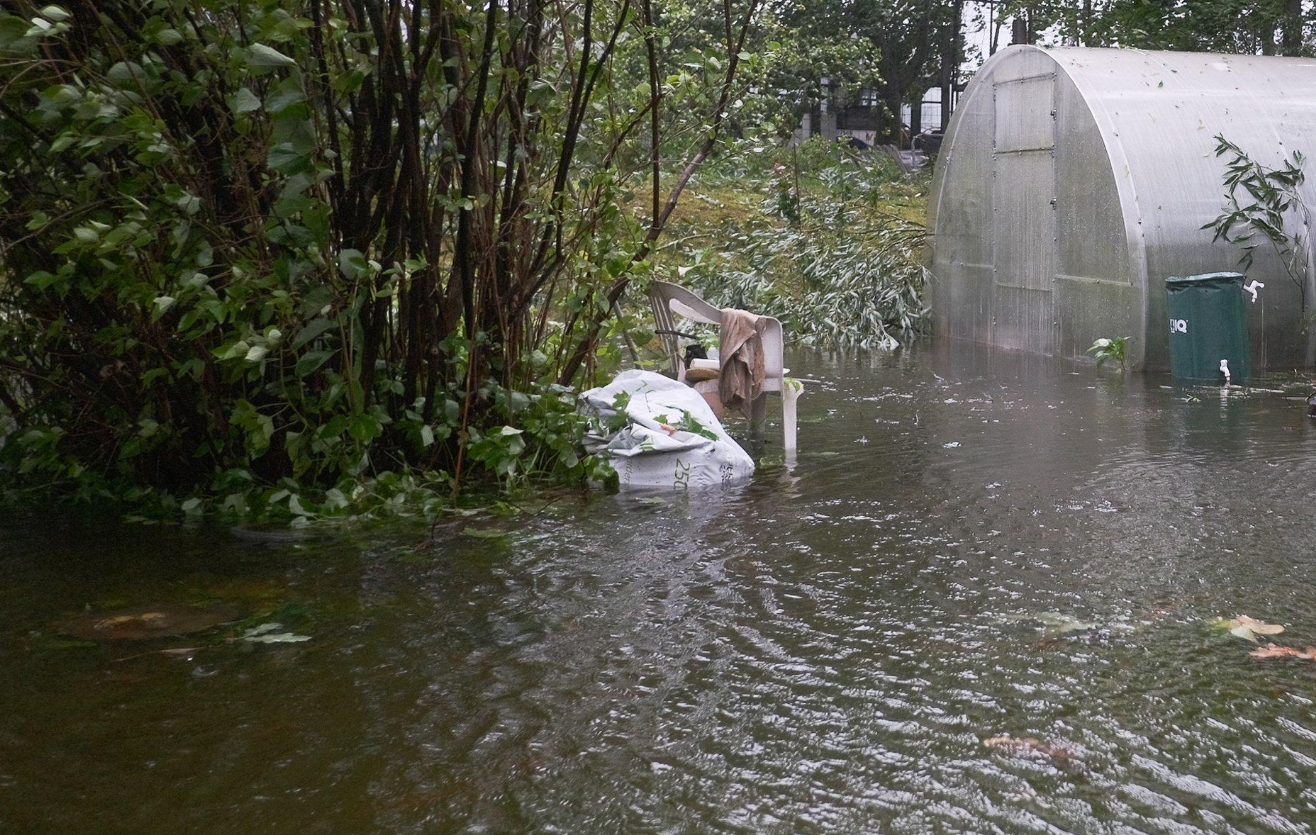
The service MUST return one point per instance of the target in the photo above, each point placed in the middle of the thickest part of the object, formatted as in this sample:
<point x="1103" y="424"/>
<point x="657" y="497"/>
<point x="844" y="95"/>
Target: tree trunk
<point x="1019" y="34"/>
<point x="1291" y="39"/>
<point x="950" y="63"/>
<point x="890" y="122"/>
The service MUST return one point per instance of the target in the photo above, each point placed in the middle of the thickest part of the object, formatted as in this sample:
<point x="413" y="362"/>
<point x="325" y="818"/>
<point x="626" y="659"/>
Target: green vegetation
<point x="1110" y="349"/>
<point x="290" y="260"/>
<point x="1261" y="205"/>
<point x="1271" y="27"/>
<point x="825" y="239"/>
<point x="294" y="259"/>
<point x="297" y="259"/>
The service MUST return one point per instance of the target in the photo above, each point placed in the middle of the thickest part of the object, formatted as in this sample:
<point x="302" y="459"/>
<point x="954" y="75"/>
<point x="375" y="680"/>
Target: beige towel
<point x="741" y="350"/>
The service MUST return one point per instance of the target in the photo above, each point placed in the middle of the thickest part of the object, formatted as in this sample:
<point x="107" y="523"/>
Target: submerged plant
<point x="1110" y="349"/>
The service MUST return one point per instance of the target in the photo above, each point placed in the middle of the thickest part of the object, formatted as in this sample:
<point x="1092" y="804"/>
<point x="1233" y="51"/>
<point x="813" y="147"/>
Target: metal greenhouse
<point x="1073" y="182"/>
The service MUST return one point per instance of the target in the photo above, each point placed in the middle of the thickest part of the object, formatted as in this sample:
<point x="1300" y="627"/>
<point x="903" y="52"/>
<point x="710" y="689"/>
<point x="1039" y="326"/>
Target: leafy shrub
<point x="1109" y="349"/>
<point x="279" y="256"/>
<point x="833" y="263"/>
<point x="1270" y="208"/>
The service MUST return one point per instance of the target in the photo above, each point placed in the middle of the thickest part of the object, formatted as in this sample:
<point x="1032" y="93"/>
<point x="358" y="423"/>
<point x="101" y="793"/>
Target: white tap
<point x="1224" y="369"/>
<point x="1253" y="288"/>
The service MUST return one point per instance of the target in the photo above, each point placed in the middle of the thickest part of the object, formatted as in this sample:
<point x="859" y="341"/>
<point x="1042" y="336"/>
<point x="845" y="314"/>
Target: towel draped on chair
<point x="741" y="350"/>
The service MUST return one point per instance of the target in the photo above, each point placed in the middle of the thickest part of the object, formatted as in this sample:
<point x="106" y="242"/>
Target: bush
<point x="825" y="249"/>
<point x="280" y="254"/>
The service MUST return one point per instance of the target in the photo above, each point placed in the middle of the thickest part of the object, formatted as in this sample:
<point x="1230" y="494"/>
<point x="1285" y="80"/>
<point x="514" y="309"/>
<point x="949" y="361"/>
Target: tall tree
<point x="1231" y="26"/>
<point x="912" y="40"/>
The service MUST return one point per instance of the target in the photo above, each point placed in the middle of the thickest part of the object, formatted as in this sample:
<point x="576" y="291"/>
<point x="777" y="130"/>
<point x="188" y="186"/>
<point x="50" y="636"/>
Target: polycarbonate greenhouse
<point x="1073" y="182"/>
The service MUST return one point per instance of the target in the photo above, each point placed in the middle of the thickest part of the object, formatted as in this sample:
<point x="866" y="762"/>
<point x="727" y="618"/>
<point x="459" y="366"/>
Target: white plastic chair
<point x="667" y="299"/>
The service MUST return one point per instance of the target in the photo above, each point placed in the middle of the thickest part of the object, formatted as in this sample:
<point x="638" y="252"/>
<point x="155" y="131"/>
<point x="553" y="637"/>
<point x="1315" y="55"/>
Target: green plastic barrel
<point x="1208" y="324"/>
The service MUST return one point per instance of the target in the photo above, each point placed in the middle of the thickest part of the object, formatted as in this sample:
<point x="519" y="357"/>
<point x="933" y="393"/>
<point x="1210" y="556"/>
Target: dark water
<point x="825" y="651"/>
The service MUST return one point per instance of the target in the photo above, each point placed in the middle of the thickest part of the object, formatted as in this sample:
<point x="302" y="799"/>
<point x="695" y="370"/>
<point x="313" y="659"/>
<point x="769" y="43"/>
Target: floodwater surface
<point x="970" y="546"/>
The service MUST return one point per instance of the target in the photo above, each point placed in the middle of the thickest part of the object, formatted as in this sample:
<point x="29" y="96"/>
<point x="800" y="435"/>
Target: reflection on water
<point x="824" y="651"/>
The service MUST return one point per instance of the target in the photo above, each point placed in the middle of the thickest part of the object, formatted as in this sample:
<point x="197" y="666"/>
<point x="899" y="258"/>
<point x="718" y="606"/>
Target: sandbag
<point x="660" y="434"/>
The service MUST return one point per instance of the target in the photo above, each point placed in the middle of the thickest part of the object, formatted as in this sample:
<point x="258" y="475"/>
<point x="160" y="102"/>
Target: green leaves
<point x="261" y="58"/>
<point x="1109" y="349"/>
<point x="310" y="362"/>
<point x="230" y="231"/>
<point x="1263" y="202"/>
<point x="837" y="264"/>
<point x="244" y="101"/>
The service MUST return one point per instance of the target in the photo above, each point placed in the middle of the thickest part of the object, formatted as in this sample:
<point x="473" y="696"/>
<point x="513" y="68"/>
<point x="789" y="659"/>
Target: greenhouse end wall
<point x="1073" y="182"/>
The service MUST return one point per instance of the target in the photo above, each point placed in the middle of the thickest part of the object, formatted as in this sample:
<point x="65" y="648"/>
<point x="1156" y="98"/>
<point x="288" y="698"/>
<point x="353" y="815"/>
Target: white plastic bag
<point x="660" y="434"/>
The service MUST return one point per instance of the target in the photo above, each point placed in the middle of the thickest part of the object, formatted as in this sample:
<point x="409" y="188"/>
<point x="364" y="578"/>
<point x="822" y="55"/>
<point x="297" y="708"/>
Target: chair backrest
<point x="662" y="294"/>
<point x="666" y="298"/>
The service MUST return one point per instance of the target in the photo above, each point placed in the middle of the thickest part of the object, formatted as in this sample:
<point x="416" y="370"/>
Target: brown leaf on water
<point x="1277" y="651"/>
<point x="145" y="623"/>
<point x="1026" y="746"/>
<point x="1009" y="743"/>
<point x="1259" y="627"/>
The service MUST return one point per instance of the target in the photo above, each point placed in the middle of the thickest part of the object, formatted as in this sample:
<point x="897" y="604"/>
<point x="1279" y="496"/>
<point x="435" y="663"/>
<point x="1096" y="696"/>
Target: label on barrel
<point x="1178" y="326"/>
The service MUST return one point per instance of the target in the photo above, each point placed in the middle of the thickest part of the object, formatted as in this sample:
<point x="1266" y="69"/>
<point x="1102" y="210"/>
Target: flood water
<point x="970" y="545"/>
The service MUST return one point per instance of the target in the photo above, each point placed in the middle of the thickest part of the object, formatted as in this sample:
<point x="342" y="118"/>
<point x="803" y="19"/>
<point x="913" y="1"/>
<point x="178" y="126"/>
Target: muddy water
<point x="971" y="545"/>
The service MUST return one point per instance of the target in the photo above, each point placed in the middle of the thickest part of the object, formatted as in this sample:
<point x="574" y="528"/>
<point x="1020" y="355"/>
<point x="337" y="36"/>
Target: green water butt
<point x="1208" y="328"/>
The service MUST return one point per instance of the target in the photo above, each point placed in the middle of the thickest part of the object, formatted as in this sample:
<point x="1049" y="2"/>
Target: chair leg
<point x="790" y="392"/>
<point x="758" y="416"/>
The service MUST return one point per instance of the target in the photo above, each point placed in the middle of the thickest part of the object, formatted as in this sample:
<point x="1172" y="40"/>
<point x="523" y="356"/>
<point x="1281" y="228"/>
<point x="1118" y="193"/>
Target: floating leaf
<point x="279" y="638"/>
<point x="146" y="623"/>
<point x="1028" y="746"/>
<point x="1244" y="633"/>
<point x="1055" y="623"/>
<point x="1259" y="627"/>
<point x="269" y="633"/>
<point x="1277" y="651"/>
<point x="1245" y="627"/>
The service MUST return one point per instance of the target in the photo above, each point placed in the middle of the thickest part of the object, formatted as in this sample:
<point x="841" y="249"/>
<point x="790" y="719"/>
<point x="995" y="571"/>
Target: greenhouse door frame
<point x="1024" y="257"/>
